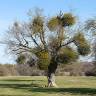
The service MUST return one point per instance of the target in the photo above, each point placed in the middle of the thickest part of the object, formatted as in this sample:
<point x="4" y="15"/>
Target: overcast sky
<point x="11" y="10"/>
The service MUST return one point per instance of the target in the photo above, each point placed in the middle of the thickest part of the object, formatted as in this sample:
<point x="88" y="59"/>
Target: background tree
<point x="48" y="41"/>
<point x="90" y="26"/>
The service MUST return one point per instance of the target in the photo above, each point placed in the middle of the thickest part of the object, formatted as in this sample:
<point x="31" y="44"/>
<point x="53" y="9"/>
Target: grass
<point x="35" y="86"/>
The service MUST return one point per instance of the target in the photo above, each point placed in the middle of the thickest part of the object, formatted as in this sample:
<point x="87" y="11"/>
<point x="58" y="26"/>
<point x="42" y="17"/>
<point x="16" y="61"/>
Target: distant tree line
<point x="75" y="69"/>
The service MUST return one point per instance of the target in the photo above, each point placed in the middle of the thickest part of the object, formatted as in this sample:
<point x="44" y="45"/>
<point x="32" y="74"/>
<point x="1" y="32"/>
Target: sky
<point x="16" y="10"/>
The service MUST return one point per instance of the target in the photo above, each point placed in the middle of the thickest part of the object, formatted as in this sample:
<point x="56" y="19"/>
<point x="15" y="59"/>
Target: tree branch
<point x="43" y="40"/>
<point x="35" y="41"/>
<point x="70" y="41"/>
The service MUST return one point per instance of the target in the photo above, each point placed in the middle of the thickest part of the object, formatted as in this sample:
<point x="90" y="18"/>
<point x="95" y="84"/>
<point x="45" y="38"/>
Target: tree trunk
<point x="51" y="74"/>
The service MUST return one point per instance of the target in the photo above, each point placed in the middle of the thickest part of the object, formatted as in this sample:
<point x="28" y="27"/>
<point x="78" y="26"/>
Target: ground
<point x="35" y="86"/>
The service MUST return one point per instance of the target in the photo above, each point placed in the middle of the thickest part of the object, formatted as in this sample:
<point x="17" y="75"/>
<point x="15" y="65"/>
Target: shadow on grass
<point x="37" y="88"/>
<point x="82" y="91"/>
<point x="19" y="85"/>
<point x="14" y="80"/>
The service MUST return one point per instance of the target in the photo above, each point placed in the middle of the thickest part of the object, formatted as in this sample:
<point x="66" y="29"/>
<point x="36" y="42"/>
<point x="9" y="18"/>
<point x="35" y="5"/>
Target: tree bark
<point x="51" y="74"/>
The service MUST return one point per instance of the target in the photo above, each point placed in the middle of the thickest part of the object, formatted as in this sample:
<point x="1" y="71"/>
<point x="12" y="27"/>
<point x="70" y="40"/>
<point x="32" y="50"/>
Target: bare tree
<point x="50" y="40"/>
<point x="91" y="27"/>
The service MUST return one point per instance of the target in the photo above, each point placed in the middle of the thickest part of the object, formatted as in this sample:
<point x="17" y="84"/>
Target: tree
<point x="47" y="41"/>
<point x="91" y="27"/>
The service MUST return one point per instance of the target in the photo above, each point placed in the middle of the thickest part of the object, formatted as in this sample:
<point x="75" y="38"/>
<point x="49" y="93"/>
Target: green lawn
<point x="35" y="86"/>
